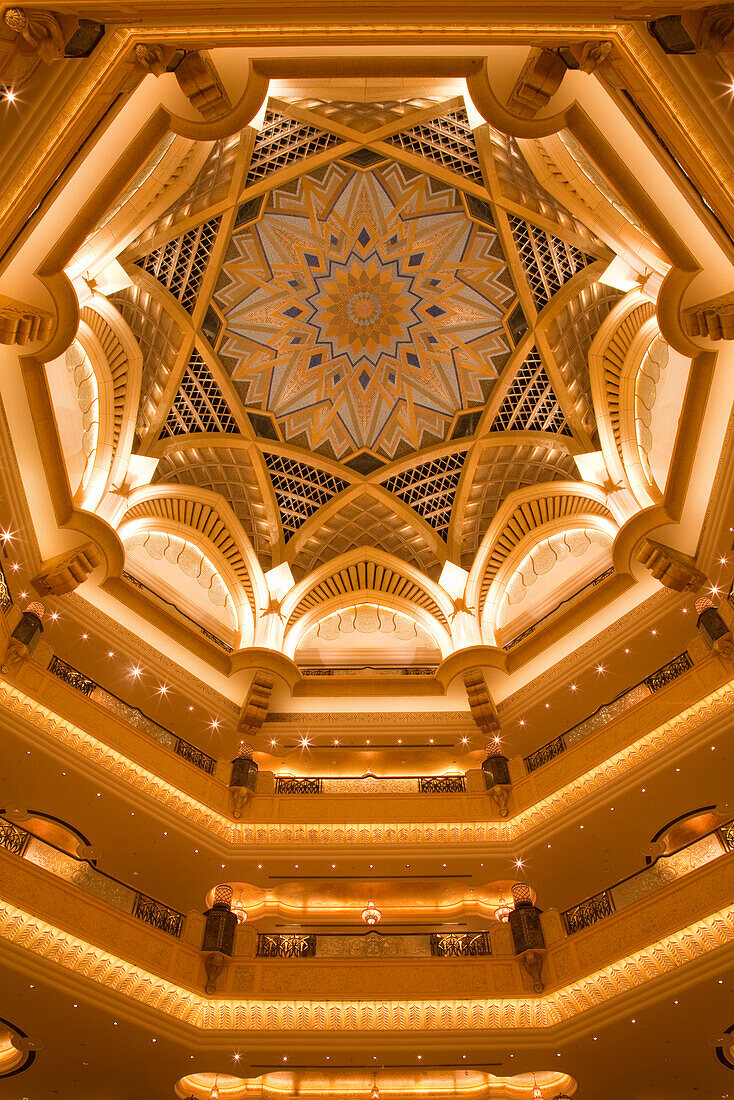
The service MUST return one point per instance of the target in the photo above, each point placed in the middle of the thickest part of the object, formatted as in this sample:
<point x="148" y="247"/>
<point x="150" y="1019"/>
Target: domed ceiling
<point x="364" y="310"/>
<point x="365" y="326"/>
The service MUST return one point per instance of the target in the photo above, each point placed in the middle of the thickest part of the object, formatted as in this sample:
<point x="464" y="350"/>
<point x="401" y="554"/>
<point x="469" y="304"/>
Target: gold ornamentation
<point x="714" y="319"/>
<point x="40" y="29"/>
<point x="21" y="324"/>
<point x="66" y="572"/>
<point x="151" y="58"/>
<point x="675" y="570"/>
<point x="539" y="79"/>
<point x="593" y="54"/>
<point x="44" y="940"/>
<point x="200" y="83"/>
<point x="255" y="707"/>
<point x="214" y="964"/>
<point x="482" y="707"/>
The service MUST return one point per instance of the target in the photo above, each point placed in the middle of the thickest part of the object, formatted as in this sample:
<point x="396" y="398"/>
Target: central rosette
<point x="363" y="309"/>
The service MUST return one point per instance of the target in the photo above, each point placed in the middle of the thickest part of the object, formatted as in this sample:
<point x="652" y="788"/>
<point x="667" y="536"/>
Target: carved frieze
<point x="672" y="568"/>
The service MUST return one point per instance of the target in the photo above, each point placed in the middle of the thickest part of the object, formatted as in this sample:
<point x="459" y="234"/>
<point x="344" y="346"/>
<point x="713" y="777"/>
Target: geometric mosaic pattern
<point x="283" y="141"/>
<point x="180" y="264"/>
<point x="530" y="403"/>
<point x="548" y="262"/>
<point x="364" y="310"/>
<point x="447" y="141"/>
<point x="430" y="489"/>
<point x="363" y="116"/>
<point x="199" y="405"/>
<point x="300" y="490"/>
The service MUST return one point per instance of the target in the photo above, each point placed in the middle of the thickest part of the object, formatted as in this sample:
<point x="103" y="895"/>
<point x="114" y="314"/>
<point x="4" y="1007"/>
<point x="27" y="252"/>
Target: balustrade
<point x="464" y="944"/>
<point x="608" y="711"/>
<point x="6" y="600"/>
<point x="84" y="684"/>
<point x="285" y="946"/>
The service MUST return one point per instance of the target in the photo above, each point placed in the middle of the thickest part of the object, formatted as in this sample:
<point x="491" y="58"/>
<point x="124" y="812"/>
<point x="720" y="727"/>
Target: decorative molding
<point x="675" y="570"/>
<point x="539" y="79"/>
<point x="255" y="707"/>
<point x="714" y="319"/>
<point x="66" y="572"/>
<point x="201" y="84"/>
<point x="151" y="57"/>
<point x="712" y="29"/>
<point x="22" y="324"/>
<point x="591" y="55"/>
<point x="21" y="931"/>
<point x="481" y="704"/>
<point x="40" y="29"/>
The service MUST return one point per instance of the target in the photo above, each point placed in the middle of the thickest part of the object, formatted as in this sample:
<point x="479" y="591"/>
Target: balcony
<point x="313" y="811"/>
<point x="668" y="914"/>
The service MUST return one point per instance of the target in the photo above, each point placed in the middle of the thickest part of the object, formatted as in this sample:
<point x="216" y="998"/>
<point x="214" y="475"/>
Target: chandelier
<point x="371" y="914"/>
<point x="375" y="1094"/>
<point x="503" y="910"/>
<point x="239" y="911"/>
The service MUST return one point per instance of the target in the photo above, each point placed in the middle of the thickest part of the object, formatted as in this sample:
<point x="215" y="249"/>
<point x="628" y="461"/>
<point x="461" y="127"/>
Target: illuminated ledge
<point x="439" y="995"/>
<point x="689" y="725"/>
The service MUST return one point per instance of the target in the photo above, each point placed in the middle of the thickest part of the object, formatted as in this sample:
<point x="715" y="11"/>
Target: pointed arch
<point x="521" y="519"/>
<point x="367" y="571"/>
<point x="211" y="523"/>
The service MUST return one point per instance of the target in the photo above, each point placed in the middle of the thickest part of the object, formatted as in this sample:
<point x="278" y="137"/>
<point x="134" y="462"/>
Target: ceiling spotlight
<point x="8" y="95"/>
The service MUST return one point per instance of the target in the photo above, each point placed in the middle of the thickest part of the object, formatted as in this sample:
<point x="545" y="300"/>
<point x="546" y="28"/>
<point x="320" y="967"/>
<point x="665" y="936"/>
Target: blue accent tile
<point x="311" y="260"/>
<point x="364" y="237"/>
<point x="417" y="259"/>
<point x="435" y="311"/>
<point x="294" y="311"/>
<point x="315" y="360"/>
<point x="413" y="359"/>
<point x="364" y="379"/>
<point x="391" y="379"/>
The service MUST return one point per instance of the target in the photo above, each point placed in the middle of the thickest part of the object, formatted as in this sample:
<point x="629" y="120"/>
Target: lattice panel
<point x="229" y="472"/>
<point x="499" y="472"/>
<point x="159" y="338"/>
<point x="430" y="489"/>
<point x="116" y="361"/>
<point x="300" y="490"/>
<point x="366" y="521"/>
<point x="364" y="117"/>
<point x="210" y="187"/>
<point x="447" y="141"/>
<point x="530" y="516"/>
<point x="366" y="575"/>
<point x="548" y="261"/>
<point x="204" y="519"/>
<point x="199" y="405"/>
<point x="530" y="404"/>
<point x="180" y="264"/>
<point x="284" y="141"/>
<point x="518" y="184"/>
<point x="570" y="337"/>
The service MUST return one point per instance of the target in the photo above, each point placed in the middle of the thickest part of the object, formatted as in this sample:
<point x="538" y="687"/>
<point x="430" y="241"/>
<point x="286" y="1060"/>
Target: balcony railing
<point x="442" y="784"/>
<point x="6" y="600"/>
<point x="664" y="870"/>
<point x="77" y="680"/>
<point x="24" y="843"/>
<point x="371" y="784"/>
<point x="464" y="944"/>
<point x="285" y="946"/>
<point x="284" y="785"/>
<point x="12" y="838"/>
<point x="608" y="711"/>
